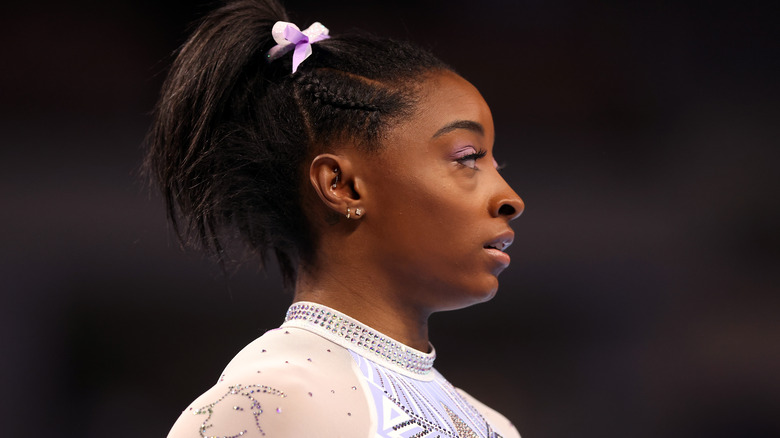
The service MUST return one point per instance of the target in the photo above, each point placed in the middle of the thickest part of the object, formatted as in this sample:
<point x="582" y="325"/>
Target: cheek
<point x="426" y="209"/>
<point x="440" y="216"/>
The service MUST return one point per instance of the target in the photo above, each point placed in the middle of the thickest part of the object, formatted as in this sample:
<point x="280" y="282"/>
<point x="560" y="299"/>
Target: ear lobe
<point x="334" y="181"/>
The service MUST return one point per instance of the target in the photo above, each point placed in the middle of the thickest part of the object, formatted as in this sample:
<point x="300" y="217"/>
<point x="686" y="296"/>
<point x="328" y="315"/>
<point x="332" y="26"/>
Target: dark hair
<point x="232" y="131"/>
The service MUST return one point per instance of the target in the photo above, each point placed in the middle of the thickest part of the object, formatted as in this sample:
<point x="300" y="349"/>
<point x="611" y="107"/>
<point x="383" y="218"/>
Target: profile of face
<point x="437" y="209"/>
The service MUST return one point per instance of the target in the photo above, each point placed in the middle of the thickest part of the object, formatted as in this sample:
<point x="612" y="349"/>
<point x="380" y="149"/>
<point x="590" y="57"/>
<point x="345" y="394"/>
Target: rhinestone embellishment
<point x="237" y="392"/>
<point x="464" y="431"/>
<point x="361" y="337"/>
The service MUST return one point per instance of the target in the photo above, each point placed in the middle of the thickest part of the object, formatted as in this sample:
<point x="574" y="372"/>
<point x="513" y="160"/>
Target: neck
<point x="371" y="302"/>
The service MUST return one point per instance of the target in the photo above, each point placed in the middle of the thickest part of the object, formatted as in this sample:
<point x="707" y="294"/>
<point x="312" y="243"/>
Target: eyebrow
<point x="460" y="124"/>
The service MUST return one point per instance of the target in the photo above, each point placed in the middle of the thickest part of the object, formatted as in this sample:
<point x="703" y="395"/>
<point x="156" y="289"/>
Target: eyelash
<point x="473" y="156"/>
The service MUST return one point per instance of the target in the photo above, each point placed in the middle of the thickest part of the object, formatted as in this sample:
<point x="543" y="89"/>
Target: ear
<point x="333" y="178"/>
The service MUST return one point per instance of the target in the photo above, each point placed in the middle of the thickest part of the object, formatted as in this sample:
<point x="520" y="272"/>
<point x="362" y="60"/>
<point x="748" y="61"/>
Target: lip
<point x="496" y="247"/>
<point x="499" y="256"/>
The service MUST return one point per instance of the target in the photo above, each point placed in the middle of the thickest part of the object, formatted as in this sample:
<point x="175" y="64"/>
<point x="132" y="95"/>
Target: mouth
<point x="496" y="247"/>
<point x="501" y="242"/>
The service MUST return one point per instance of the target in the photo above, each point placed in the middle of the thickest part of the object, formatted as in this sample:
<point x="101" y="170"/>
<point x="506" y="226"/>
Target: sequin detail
<point x="417" y="408"/>
<point x="362" y="337"/>
<point x="464" y="431"/>
<point x="247" y="392"/>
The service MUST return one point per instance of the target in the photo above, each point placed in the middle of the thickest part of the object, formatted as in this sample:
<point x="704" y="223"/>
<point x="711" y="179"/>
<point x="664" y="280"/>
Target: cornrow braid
<point x="231" y="130"/>
<point x="322" y="94"/>
<point x="336" y="103"/>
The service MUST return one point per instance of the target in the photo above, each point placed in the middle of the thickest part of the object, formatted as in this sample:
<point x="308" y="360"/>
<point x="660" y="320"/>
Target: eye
<point x="471" y="157"/>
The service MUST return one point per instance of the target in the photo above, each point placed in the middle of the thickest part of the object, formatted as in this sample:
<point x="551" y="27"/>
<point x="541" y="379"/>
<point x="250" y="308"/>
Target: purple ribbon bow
<point x="288" y="36"/>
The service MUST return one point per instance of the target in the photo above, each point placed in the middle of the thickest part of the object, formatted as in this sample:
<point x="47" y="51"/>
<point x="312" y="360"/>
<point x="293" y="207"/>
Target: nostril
<point x="506" y="210"/>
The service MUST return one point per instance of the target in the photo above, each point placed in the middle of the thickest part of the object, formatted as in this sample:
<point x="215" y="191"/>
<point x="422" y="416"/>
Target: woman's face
<point x="437" y="210"/>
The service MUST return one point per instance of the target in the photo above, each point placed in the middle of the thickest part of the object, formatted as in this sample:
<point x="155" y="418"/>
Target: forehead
<point x="446" y="99"/>
<point x="447" y="111"/>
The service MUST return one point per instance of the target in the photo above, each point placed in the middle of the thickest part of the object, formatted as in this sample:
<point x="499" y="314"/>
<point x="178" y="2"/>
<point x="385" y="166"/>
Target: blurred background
<point x="644" y="296"/>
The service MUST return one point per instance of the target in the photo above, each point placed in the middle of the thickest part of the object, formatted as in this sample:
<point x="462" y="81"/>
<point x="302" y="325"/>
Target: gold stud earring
<point x="358" y="212"/>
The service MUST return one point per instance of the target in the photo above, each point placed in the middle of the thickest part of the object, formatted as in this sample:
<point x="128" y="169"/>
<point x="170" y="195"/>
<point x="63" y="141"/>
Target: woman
<point x="366" y="167"/>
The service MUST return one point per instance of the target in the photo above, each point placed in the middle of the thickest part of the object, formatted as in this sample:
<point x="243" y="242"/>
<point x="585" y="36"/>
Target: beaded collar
<point x="360" y="338"/>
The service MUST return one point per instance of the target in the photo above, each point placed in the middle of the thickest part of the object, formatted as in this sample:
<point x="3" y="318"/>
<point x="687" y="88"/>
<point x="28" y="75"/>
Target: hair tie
<point x="289" y="36"/>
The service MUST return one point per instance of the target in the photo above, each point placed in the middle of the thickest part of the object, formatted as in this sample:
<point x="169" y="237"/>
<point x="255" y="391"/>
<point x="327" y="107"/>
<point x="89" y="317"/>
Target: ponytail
<point x="231" y="130"/>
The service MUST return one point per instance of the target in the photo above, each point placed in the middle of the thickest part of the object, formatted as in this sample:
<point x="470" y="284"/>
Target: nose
<point x="511" y="208"/>
<point x="507" y="203"/>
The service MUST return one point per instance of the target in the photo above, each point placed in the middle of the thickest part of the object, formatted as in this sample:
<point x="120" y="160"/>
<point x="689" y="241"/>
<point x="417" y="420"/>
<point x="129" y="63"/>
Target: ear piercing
<point x="358" y="212"/>
<point x="335" y="181"/>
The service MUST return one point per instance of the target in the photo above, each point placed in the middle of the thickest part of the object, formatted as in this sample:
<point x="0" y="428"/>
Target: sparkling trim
<point x="363" y="339"/>
<point x="464" y="431"/>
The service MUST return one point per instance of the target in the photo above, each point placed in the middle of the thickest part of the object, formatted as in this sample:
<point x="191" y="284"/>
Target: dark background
<point x="643" y="297"/>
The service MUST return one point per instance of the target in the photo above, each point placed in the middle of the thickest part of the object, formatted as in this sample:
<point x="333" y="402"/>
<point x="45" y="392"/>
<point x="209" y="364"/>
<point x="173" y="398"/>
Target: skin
<point x="431" y="208"/>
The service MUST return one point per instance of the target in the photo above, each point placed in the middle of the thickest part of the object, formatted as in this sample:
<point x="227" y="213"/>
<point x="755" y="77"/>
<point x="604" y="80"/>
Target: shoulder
<point x="501" y="425"/>
<point x="287" y="383"/>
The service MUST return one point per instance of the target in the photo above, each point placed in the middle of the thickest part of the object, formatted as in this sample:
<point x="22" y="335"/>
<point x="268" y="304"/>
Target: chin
<point x="486" y="290"/>
<point x="488" y="295"/>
